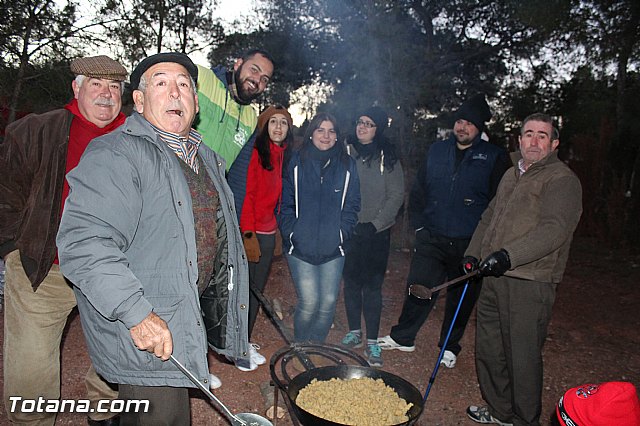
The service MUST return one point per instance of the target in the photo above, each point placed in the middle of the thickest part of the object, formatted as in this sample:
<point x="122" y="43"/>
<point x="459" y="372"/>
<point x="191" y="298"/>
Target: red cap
<point x="606" y="404"/>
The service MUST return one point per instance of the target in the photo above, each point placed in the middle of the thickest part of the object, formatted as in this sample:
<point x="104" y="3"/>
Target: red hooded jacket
<point x="263" y="192"/>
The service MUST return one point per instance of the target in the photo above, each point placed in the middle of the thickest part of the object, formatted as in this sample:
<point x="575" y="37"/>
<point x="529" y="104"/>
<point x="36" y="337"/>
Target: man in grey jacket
<point x="149" y="231"/>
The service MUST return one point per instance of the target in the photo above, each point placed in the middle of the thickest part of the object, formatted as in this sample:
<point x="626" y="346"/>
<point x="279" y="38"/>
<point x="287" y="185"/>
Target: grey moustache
<point x="104" y="102"/>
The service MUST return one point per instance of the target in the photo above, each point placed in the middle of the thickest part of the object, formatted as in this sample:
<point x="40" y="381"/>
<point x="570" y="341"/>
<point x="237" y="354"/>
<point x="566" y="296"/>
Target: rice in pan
<point x="362" y="402"/>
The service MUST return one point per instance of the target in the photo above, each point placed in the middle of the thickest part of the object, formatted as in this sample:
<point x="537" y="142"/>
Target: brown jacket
<point x="33" y="159"/>
<point x="533" y="217"/>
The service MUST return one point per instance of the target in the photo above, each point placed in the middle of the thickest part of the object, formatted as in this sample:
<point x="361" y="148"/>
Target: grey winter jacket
<point x="381" y="190"/>
<point x="127" y="242"/>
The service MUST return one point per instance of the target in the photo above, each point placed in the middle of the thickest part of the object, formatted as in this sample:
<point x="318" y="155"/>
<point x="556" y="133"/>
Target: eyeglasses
<point x="367" y="124"/>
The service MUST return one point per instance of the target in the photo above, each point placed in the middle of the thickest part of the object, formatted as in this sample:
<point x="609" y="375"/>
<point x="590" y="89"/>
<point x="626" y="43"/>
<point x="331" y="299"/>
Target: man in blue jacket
<point x="454" y="185"/>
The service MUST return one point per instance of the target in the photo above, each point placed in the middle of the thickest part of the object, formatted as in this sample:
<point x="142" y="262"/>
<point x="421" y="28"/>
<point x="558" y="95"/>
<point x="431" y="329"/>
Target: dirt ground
<point x="593" y="337"/>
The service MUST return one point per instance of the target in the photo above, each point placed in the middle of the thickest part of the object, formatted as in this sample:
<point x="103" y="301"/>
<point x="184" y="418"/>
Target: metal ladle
<point x="241" y="419"/>
<point x="425" y="293"/>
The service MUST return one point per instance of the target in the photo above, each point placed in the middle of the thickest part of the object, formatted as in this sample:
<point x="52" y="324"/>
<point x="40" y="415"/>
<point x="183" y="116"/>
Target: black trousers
<point x="259" y="273"/>
<point x="365" y="264"/>
<point x="167" y="406"/>
<point x="436" y="259"/>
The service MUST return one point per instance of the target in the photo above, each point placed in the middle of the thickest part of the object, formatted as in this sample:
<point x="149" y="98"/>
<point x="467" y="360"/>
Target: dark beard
<point x="245" y="97"/>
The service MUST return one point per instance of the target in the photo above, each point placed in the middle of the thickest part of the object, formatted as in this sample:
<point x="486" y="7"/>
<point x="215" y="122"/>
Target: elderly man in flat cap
<point x="150" y="238"/>
<point x="37" y="153"/>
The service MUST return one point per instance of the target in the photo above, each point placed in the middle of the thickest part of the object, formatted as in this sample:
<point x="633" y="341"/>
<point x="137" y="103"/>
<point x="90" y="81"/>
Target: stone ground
<point x="593" y="337"/>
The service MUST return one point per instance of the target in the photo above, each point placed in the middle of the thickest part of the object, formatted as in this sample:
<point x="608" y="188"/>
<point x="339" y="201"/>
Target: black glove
<point x="365" y="229"/>
<point x="469" y="264"/>
<point x="496" y="264"/>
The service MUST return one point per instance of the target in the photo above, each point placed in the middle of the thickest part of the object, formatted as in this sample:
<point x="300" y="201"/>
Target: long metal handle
<point x="422" y="292"/>
<point x="230" y="416"/>
<point x="282" y="328"/>
<point x="268" y="307"/>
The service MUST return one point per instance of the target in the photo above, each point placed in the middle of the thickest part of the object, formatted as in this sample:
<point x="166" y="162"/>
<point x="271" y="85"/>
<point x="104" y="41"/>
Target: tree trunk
<point x="160" y="27"/>
<point x="633" y="234"/>
<point x="185" y="26"/>
<point x="24" y="62"/>
<point x="623" y="122"/>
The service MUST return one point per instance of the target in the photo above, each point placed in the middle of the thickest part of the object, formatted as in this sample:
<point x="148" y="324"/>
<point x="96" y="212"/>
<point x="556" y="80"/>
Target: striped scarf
<point x="185" y="148"/>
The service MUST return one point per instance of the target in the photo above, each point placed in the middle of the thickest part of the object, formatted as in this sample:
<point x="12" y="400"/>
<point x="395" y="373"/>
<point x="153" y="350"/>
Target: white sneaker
<point x="245" y="365"/>
<point x="387" y="343"/>
<point x="214" y="381"/>
<point x="448" y="359"/>
<point x="255" y="356"/>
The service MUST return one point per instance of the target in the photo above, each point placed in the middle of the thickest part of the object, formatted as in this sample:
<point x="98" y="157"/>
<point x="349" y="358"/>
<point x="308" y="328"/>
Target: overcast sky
<point x="228" y="10"/>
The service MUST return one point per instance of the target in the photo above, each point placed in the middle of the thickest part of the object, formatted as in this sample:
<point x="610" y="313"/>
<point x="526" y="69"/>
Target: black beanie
<point x="379" y="117"/>
<point x="475" y="110"/>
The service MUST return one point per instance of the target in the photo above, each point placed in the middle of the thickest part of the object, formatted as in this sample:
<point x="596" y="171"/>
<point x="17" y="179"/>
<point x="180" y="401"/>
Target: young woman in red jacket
<point x="261" y="200"/>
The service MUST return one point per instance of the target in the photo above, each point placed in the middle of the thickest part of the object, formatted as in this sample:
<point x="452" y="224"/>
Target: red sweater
<point x="81" y="133"/>
<point x="264" y="188"/>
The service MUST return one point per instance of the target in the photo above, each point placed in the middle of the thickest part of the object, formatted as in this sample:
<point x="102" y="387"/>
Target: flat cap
<point x="99" y="67"/>
<point x="176" y="57"/>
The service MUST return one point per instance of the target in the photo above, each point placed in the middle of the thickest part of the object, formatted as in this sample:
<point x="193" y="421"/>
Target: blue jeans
<point x="317" y="288"/>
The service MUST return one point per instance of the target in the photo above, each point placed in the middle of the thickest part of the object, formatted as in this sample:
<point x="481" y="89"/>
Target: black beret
<point x="176" y="57"/>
